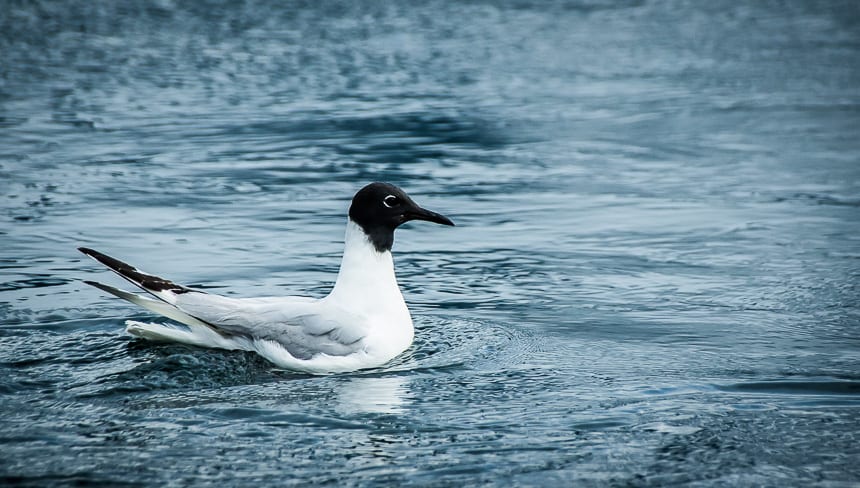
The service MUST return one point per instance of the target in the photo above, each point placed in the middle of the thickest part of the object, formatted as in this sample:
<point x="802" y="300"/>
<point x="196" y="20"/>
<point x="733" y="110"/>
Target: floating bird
<point x="362" y="323"/>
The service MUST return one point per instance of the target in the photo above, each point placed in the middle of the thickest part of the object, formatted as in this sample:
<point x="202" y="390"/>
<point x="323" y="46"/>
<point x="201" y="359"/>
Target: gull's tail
<point x="199" y="332"/>
<point x="162" y="289"/>
<point x="159" y="307"/>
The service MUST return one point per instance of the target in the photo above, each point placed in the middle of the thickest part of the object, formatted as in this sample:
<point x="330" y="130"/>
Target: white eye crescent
<point x="391" y="201"/>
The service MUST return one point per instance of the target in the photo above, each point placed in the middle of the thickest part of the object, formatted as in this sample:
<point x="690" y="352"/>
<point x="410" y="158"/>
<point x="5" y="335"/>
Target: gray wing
<point x="303" y="326"/>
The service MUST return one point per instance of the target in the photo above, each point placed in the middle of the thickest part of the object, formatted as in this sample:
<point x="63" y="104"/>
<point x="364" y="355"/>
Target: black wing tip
<point x="145" y="281"/>
<point x="94" y="254"/>
<point x="112" y="263"/>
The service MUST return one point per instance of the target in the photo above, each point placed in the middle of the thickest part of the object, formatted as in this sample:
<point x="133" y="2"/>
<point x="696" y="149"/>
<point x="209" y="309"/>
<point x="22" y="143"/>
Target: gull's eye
<point x="391" y="201"/>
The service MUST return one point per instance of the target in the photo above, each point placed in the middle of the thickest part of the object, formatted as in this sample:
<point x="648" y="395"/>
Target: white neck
<point x="366" y="279"/>
<point x="366" y="287"/>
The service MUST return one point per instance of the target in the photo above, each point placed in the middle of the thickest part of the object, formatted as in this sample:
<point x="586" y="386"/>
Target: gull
<point x="362" y="323"/>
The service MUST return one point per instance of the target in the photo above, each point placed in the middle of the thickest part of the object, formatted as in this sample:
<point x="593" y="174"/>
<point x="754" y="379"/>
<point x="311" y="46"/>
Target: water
<point x="653" y="281"/>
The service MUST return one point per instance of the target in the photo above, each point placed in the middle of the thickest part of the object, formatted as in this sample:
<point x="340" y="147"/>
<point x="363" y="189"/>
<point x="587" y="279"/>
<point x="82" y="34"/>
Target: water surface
<point x="653" y="280"/>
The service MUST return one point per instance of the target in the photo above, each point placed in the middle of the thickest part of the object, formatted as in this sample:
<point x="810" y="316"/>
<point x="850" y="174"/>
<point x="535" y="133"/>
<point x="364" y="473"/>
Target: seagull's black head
<point x="379" y="208"/>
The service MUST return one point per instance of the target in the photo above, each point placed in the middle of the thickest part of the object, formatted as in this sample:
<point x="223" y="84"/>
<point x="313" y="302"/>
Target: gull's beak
<point x="419" y="213"/>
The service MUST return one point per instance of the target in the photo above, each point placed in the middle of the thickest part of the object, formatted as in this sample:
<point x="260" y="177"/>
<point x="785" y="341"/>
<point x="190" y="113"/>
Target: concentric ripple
<point x="443" y="343"/>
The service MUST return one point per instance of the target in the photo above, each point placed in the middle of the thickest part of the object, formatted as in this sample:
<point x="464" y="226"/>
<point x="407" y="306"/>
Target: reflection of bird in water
<point x="373" y="394"/>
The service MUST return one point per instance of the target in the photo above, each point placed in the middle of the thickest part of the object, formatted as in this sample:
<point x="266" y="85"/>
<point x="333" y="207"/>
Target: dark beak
<point x="419" y="213"/>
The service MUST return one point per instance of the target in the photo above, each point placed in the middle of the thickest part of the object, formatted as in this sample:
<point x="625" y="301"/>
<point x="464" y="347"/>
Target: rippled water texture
<point x="653" y="280"/>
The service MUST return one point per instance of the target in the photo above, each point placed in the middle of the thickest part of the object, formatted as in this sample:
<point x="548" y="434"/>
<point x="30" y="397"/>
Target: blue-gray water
<point x="654" y="278"/>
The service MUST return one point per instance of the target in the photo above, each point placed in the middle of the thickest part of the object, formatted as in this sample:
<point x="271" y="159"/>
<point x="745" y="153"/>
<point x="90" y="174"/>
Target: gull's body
<point x="362" y="323"/>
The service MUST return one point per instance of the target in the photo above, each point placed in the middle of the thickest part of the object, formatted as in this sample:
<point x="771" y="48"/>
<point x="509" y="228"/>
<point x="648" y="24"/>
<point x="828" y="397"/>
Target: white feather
<point x="362" y="323"/>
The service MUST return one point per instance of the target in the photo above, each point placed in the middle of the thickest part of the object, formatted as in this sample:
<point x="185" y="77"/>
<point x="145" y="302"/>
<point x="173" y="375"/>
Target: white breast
<point x="366" y="286"/>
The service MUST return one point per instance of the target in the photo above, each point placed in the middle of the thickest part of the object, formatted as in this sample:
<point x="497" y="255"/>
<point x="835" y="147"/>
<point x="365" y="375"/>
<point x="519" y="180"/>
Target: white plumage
<point x="362" y="323"/>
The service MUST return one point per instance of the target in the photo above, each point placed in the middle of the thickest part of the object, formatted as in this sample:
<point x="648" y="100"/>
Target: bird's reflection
<point x="373" y="394"/>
